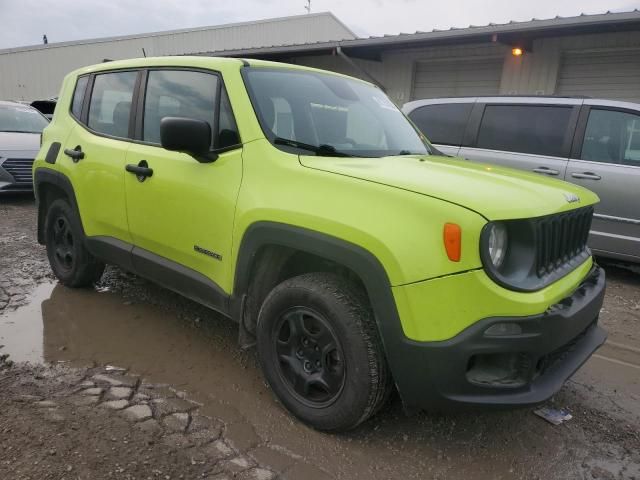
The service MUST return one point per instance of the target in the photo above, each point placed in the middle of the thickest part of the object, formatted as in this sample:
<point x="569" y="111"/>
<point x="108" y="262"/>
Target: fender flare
<point x="46" y="176"/>
<point x="362" y="262"/>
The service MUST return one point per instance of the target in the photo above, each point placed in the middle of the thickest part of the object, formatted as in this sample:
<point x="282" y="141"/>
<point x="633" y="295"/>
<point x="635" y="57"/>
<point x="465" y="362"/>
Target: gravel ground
<point x="62" y="416"/>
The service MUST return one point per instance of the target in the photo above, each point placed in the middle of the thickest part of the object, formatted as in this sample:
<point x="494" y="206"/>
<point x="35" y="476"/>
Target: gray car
<point x="20" y="129"/>
<point x="593" y="143"/>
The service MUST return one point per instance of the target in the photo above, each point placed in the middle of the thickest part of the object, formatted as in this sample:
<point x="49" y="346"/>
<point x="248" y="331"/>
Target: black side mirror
<point x="185" y="135"/>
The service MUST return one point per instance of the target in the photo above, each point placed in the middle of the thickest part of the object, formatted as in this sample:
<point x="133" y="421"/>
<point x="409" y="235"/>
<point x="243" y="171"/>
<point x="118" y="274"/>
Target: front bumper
<point x="473" y="368"/>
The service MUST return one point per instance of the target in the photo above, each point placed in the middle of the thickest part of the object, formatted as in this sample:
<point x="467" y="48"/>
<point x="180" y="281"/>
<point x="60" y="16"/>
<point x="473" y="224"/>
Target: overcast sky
<point x="23" y="22"/>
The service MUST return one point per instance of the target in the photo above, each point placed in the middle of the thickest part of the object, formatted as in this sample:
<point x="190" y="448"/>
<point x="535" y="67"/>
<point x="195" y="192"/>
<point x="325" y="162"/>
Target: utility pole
<point x="307" y="7"/>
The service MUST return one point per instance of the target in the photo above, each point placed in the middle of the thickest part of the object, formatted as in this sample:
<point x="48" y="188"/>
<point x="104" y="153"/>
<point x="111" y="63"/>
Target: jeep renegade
<point x="305" y="206"/>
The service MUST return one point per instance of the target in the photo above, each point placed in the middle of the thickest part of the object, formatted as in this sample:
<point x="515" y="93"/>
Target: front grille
<point x="561" y="237"/>
<point x="19" y="169"/>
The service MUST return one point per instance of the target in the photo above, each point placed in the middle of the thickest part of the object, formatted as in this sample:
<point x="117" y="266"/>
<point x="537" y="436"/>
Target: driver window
<point x="178" y="93"/>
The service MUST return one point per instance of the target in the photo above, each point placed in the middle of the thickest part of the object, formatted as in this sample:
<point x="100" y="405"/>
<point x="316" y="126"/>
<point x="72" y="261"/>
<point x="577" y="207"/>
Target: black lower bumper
<point x="526" y="365"/>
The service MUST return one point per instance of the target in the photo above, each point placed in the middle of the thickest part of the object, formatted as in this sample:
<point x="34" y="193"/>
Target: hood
<point x="496" y="193"/>
<point x="18" y="142"/>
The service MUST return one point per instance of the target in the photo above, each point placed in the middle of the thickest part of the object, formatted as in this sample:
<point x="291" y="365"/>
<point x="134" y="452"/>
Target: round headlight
<point x="497" y="243"/>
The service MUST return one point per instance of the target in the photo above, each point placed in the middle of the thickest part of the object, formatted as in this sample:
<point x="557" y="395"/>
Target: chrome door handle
<point x="546" y="171"/>
<point x="587" y="175"/>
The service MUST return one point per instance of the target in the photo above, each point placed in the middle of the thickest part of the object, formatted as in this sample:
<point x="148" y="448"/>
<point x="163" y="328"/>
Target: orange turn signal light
<point x="517" y="52"/>
<point x="452" y="235"/>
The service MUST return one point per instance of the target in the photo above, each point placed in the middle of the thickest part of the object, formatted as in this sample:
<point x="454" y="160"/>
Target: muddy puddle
<point x="202" y="358"/>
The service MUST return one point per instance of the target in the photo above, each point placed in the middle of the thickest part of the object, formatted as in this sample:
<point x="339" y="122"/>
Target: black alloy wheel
<point x="63" y="243"/>
<point x="309" y="356"/>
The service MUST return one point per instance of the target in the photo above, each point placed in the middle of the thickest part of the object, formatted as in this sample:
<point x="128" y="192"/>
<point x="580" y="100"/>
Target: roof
<point x="173" y="32"/>
<point x="583" y="23"/>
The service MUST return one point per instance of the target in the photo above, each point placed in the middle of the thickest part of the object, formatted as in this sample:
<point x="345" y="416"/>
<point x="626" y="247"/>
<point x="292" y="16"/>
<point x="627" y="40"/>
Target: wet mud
<point x="130" y="323"/>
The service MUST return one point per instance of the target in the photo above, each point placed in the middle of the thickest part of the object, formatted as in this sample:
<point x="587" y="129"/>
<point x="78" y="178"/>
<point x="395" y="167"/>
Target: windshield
<point x="17" y="118"/>
<point x="329" y="115"/>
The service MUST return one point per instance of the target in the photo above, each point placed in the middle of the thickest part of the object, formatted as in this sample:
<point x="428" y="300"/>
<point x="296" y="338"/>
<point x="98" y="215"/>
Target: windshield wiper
<point x="409" y="152"/>
<point x="324" y="149"/>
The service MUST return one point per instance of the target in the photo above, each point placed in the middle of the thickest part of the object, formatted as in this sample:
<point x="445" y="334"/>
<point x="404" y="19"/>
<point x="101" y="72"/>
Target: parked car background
<point x="589" y="142"/>
<point x="20" y="129"/>
<point x="45" y="107"/>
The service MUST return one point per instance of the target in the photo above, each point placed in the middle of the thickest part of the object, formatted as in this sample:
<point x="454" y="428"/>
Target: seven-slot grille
<point x="19" y="169"/>
<point x="560" y="238"/>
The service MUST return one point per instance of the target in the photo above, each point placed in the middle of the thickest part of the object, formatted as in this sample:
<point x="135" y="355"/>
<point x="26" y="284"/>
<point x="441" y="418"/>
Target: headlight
<point x="497" y="243"/>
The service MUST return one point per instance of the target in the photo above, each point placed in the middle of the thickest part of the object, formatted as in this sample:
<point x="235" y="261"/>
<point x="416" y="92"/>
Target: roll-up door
<point x="455" y="78"/>
<point x="613" y="75"/>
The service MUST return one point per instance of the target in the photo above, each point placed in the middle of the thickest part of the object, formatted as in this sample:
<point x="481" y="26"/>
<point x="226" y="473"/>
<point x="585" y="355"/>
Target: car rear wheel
<point x="70" y="261"/>
<point x="320" y="351"/>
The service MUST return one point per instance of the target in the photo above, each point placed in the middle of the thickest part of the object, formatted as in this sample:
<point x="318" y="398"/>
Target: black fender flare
<point x="362" y="262"/>
<point x="47" y="176"/>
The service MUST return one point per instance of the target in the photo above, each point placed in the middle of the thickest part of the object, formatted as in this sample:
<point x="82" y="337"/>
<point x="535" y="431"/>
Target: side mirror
<point x="185" y="135"/>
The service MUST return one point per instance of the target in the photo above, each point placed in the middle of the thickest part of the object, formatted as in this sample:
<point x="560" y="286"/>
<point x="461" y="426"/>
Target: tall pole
<point x="307" y="7"/>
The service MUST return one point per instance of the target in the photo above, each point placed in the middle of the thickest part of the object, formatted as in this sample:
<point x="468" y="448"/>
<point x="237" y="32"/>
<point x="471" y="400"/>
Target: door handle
<point x="76" y="154"/>
<point x="141" y="171"/>
<point x="546" y="171"/>
<point x="587" y="175"/>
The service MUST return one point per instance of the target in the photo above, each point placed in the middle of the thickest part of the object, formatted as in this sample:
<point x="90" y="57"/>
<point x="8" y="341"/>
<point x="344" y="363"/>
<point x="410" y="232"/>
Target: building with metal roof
<point x="36" y="72"/>
<point x="594" y="55"/>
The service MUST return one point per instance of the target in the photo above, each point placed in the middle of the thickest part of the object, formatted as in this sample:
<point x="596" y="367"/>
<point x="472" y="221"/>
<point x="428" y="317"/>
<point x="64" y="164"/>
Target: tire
<point x="70" y="261"/>
<point x="321" y="353"/>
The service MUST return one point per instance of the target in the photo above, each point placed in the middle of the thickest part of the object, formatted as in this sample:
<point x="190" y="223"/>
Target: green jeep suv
<point x="304" y="205"/>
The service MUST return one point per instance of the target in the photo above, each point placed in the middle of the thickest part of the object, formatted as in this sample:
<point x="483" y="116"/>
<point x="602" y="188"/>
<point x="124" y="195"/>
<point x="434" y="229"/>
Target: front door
<point x="607" y="161"/>
<point x="181" y="217"/>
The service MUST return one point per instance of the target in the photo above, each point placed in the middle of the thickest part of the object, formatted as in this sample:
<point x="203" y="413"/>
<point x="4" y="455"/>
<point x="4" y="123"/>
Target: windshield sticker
<point x="335" y="108"/>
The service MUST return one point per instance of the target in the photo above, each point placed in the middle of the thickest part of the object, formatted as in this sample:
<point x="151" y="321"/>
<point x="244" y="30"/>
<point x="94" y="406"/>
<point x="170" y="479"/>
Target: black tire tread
<point x="87" y="269"/>
<point x="355" y="301"/>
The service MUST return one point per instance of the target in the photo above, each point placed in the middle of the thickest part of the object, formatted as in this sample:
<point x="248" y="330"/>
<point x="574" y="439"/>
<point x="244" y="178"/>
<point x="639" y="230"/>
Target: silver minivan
<point x="594" y="143"/>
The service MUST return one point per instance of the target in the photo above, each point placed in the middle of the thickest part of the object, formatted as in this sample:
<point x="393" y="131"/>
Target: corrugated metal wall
<point x="396" y="70"/>
<point x="36" y="72"/>
<point x="535" y="73"/>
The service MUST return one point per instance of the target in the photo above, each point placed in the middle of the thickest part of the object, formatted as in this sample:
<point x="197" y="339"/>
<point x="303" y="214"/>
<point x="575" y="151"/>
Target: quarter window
<point x="612" y="137"/>
<point x="111" y="103"/>
<point x="78" y="96"/>
<point x="443" y="123"/>
<point x="178" y="93"/>
<point x="531" y="129"/>
<point x="228" y="135"/>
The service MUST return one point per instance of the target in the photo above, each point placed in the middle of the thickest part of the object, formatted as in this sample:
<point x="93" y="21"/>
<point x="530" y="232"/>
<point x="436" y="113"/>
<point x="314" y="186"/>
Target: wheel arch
<point x="283" y="239"/>
<point x="49" y="185"/>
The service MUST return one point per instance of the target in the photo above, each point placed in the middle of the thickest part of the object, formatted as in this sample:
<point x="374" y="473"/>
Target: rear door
<point x="443" y="124"/>
<point x="101" y="141"/>
<point x="606" y="160"/>
<point x="529" y="137"/>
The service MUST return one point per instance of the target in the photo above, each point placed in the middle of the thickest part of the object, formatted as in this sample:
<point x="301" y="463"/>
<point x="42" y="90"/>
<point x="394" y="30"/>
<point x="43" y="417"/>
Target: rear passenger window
<point x="525" y="129"/>
<point x="612" y="137"/>
<point x="443" y="124"/>
<point x="111" y="103"/>
<point x="78" y="96"/>
<point x="178" y="93"/>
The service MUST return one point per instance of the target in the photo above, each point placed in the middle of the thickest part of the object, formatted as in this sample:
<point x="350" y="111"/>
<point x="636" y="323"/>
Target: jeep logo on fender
<point x="571" y="198"/>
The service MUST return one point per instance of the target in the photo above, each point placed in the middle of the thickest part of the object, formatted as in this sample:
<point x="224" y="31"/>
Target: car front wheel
<point x="320" y="351"/>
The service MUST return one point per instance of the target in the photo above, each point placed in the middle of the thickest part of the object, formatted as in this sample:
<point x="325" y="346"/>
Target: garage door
<point x="454" y="78"/>
<point x="614" y="75"/>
